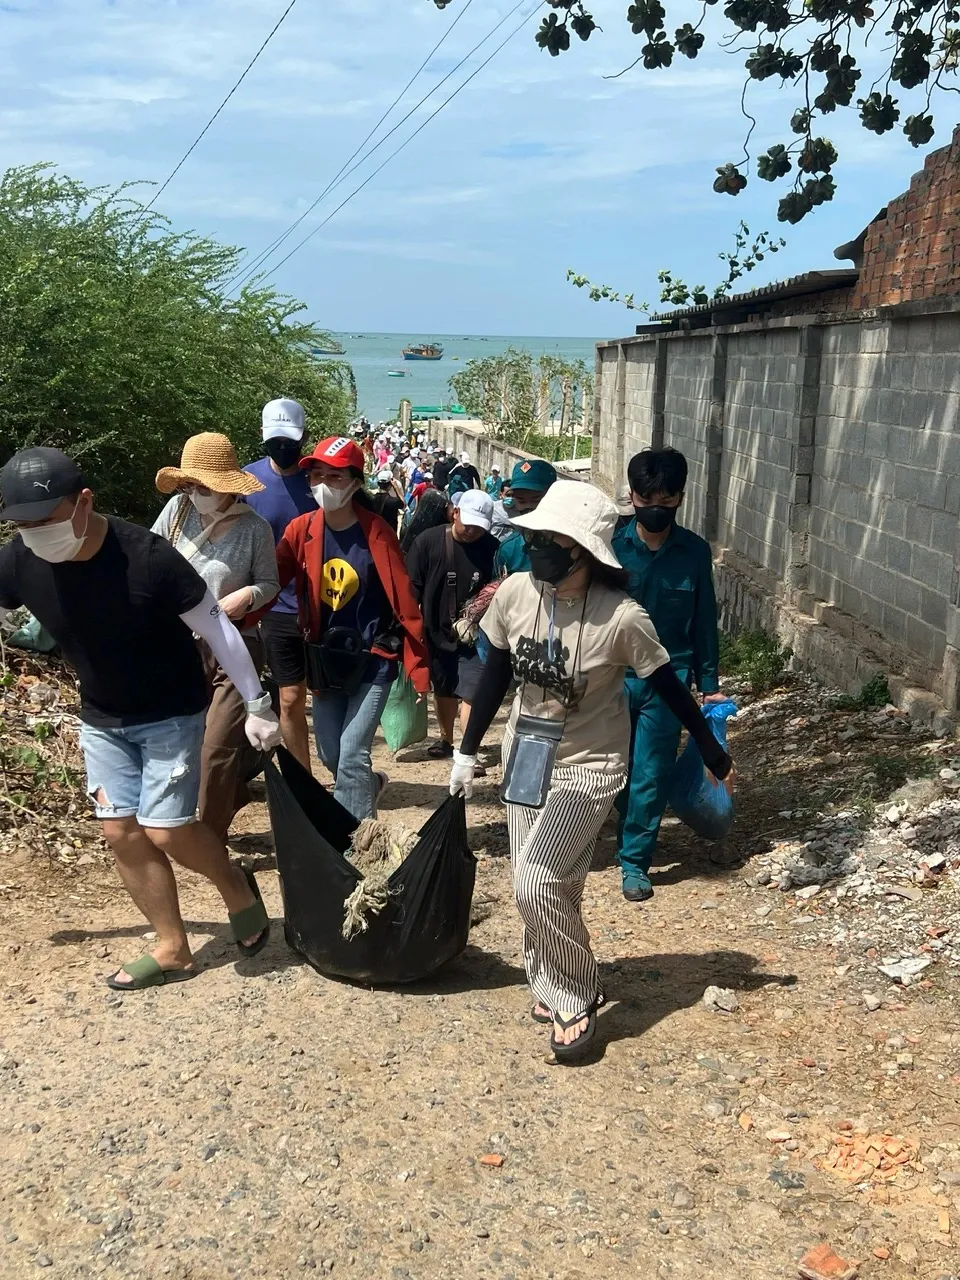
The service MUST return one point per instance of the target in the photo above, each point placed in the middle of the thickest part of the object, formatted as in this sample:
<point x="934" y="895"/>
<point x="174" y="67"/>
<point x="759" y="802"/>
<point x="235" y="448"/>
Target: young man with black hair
<point x="671" y="576"/>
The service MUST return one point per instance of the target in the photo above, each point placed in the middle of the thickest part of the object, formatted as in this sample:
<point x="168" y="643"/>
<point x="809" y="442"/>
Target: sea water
<point x="426" y="382"/>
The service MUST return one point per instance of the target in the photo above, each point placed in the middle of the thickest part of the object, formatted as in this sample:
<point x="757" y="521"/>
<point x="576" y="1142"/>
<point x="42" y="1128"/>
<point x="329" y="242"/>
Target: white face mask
<point x="54" y="543"/>
<point x="331" y="499"/>
<point x="208" y="504"/>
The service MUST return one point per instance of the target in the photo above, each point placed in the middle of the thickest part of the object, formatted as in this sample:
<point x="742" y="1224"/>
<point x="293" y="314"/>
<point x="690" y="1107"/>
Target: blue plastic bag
<point x="698" y="802"/>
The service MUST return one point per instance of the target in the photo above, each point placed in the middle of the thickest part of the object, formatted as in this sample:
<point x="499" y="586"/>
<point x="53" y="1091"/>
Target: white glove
<point x="461" y="774"/>
<point x="263" y="730"/>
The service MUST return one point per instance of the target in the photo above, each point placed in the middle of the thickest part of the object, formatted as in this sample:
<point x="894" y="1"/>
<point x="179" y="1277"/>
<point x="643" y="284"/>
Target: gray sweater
<point x="242" y="556"/>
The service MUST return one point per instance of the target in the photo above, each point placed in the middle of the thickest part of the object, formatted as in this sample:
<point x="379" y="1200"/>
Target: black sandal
<point x="252" y="919"/>
<point x="440" y="750"/>
<point x="543" y="1018"/>
<point x="567" y="1052"/>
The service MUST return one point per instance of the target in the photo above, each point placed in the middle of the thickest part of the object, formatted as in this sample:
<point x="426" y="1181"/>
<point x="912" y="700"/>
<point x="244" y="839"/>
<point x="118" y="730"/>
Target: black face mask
<point x="656" y="519"/>
<point x="549" y="562"/>
<point x="284" y="452"/>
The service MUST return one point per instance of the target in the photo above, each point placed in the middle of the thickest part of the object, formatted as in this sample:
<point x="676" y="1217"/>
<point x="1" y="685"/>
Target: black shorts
<point x="456" y="674"/>
<point x="283" y="648"/>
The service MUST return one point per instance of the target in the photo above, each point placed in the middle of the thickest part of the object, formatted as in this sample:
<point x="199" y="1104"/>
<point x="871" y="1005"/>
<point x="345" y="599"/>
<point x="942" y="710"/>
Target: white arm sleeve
<point x="210" y="623"/>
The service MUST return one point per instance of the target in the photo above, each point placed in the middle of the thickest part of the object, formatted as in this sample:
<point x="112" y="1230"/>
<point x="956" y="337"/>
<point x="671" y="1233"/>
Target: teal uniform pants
<point x="654" y="739"/>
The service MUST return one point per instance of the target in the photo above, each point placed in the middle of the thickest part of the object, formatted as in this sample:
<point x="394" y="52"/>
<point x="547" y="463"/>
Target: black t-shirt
<point x="116" y="619"/>
<point x="427" y="562"/>
<point x="463" y="475"/>
<point x="389" y="506"/>
<point x="441" y="471"/>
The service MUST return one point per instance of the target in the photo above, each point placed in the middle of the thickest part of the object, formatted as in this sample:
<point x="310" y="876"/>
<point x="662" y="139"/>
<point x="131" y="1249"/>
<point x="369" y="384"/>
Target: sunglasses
<point x="538" y="541"/>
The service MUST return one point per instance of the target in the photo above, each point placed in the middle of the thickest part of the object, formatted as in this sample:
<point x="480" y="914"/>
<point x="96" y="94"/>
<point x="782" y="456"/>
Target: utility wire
<point x="419" y="129"/>
<point x="199" y="138"/>
<point x="246" y="272"/>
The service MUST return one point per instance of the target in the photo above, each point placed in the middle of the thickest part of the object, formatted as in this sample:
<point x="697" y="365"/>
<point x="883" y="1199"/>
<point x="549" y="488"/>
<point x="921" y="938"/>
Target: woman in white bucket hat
<point x="566" y="632"/>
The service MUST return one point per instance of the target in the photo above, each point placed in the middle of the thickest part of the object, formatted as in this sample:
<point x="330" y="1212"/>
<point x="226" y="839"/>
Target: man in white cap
<point x="286" y="494"/>
<point x="387" y="500"/>
<point x="448" y="566"/>
<point x="463" y="476"/>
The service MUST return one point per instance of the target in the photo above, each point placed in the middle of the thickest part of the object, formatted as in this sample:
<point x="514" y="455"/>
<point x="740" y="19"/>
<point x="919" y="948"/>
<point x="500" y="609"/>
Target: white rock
<point x="905" y="971"/>
<point x="721" y="1000"/>
<point x="871" y="1002"/>
<point x="808" y="892"/>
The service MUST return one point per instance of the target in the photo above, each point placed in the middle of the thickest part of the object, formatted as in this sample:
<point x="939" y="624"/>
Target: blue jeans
<point x="344" y="725"/>
<point x="150" y="772"/>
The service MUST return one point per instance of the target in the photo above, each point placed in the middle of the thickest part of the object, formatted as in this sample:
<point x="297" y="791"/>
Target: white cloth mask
<point x="54" y="543"/>
<point x="208" y="504"/>
<point x="329" y="498"/>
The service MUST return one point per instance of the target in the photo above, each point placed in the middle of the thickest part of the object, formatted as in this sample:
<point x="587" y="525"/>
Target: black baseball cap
<point x="34" y="483"/>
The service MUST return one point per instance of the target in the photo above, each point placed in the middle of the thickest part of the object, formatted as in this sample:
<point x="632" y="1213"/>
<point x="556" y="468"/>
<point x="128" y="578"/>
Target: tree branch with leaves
<point x="744" y="257"/>
<point x="813" y="46"/>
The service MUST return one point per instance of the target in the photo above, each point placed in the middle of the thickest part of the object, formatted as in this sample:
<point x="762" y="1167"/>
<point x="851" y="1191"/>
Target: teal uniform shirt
<point x="511" y="556"/>
<point x="675" y="586"/>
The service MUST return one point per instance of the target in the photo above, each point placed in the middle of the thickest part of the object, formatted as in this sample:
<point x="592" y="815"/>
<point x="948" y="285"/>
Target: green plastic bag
<point x="404" y="720"/>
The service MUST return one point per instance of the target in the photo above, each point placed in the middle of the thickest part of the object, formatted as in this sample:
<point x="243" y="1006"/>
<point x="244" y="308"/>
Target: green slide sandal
<point x="146" y="972"/>
<point x="252" y="919"/>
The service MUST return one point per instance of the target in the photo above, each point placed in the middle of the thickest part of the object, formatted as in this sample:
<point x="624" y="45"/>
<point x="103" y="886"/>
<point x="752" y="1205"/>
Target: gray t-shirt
<point x="243" y="555"/>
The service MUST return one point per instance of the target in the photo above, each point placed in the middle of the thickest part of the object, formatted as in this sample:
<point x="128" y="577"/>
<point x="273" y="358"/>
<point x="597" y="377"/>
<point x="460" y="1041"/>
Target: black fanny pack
<point x="337" y="661"/>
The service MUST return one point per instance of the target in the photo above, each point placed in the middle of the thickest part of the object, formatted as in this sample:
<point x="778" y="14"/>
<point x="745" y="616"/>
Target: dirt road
<point x="261" y="1120"/>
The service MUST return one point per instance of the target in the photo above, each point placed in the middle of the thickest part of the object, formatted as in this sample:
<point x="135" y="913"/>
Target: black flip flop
<point x="544" y="1018"/>
<point x="568" y="1052"/>
<point x="252" y="919"/>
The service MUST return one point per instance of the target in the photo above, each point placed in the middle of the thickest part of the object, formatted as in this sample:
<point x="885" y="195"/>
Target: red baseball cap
<point x="337" y="451"/>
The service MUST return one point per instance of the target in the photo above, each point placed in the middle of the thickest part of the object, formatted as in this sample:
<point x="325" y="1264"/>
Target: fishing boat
<point x="397" y="373"/>
<point x="332" y="350"/>
<point x="424" y="351"/>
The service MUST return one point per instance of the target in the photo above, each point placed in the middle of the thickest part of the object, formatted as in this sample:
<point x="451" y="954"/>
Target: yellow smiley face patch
<point x="340" y="583"/>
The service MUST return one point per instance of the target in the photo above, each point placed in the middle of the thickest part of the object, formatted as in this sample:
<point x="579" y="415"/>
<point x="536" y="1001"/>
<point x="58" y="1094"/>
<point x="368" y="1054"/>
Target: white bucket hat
<point x="580" y="511"/>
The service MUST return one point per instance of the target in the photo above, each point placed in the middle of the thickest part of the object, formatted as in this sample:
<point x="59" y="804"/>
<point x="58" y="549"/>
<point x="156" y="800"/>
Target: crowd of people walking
<point x="332" y="571"/>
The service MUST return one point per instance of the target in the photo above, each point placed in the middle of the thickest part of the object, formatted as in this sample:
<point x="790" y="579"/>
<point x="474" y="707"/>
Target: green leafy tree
<point x="744" y="258"/>
<point x="815" y="46"/>
<point x="516" y="396"/>
<point x="118" y="339"/>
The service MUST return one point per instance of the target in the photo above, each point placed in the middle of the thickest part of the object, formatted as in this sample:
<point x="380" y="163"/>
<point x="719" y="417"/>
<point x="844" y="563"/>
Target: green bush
<point x="754" y="656"/>
<point x="118" y="339"/>
<point x="874" y="695"/>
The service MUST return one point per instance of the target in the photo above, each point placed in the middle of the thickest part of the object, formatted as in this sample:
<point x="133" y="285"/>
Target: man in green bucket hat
<point x="528" y="482"/>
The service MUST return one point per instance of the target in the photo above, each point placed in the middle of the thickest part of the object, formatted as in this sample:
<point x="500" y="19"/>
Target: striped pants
<point x="551" y="850"/>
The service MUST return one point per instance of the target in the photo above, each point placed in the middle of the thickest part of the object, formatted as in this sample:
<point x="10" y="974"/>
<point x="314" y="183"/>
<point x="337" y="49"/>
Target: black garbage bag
<point x="427" y="918"/>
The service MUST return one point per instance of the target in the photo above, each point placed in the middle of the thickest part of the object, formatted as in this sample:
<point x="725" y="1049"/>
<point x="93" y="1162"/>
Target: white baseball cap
<point x="476" y="508"/>
<point x="464" y="457"/>
<point x="384" y="475"/>
<point x="494" y="468"/>
<point x="283" y="418"/>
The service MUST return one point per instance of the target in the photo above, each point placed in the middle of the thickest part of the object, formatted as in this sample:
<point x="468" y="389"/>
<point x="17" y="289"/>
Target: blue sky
<point x="538" y="165"/>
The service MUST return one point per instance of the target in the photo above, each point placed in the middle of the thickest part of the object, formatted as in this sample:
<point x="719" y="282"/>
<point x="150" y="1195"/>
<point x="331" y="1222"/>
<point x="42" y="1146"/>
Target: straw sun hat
<point x="581" y="512"/>
<point x="209" y="460"/>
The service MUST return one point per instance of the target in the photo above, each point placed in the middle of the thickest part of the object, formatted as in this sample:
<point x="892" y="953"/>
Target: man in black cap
<point x="123" y="606"/>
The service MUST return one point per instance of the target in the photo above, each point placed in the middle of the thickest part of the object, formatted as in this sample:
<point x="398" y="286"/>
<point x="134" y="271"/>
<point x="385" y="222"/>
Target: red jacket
<point x="300" y="558"/>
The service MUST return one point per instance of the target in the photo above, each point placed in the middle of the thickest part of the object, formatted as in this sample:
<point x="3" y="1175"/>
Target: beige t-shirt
<point x="583" y="672"/>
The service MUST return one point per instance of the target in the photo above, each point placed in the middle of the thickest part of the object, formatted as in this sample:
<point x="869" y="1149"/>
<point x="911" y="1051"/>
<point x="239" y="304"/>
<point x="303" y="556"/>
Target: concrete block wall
<point x="837" y="490"/>
<point x="686" y="416"/>
<point x="640" y="371"/>
<point x="605" y="444"/>
<point x="757" y="462"/>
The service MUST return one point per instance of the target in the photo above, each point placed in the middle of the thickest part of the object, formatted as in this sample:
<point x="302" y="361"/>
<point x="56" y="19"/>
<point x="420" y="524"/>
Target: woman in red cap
<point x="359" y="617"/>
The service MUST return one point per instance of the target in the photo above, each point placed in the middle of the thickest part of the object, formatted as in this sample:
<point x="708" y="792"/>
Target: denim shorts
<point x="150" y="772"/>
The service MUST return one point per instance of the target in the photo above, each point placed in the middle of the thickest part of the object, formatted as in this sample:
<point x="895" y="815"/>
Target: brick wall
<point x="914" y="252"/>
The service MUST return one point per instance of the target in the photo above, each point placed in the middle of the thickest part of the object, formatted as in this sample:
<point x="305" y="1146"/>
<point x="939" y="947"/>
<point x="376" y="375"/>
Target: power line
<point x="419" y="129"/>
<point x="199" y="138"/>
<point x="247" y="272"/>
<point x="339" y="180"/>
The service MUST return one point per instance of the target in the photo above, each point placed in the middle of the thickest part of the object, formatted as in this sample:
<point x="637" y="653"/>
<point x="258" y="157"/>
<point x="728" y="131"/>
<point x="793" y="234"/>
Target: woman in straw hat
<point x="232" y="549"/>
<point x="567" y="631"/>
